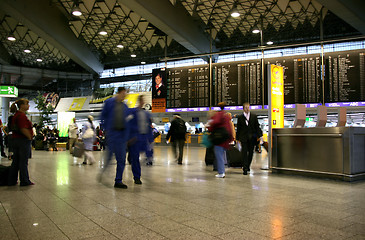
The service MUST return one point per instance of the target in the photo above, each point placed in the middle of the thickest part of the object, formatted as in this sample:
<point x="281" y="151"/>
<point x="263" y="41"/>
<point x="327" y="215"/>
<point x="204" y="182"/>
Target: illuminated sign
<point x="8" y="91"/>
<point x="277" y="96"/>
<point x="64" y="119"/>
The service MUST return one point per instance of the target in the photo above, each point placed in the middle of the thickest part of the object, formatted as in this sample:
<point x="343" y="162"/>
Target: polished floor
<point x="177" y="202"/>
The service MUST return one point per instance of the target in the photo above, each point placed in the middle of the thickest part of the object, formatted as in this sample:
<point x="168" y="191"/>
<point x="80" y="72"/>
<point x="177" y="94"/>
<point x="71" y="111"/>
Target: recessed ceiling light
<point x="120" y="46"/>
<point x="270" y="43"/>
<point x="143" y="62"/>
<point x="76" y="12"/>
<point x="11" y="38"/>
<point x="102" y="31"/>
<point x="133" y="55"/>
<point x="27" y="51"/>
<point x="39" y="60"/>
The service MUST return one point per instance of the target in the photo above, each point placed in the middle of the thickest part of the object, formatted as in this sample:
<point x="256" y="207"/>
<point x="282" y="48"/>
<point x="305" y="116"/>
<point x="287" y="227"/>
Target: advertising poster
<point x="64" y="119"/>
<point x="159" y="90"/>
<point x="277" y="96"/>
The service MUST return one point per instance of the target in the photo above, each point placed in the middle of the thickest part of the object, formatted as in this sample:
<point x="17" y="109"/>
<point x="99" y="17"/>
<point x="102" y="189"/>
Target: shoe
<point x="137" y="181"/>
<point x="180" y="163"/>
<point x="26" y="184"/>
<point x="84" y="163"/>
<point x="244" y="172"/>
<point x="220" y="175"/>
<point x="120" y="185"/>
<point x="149" y="163"/>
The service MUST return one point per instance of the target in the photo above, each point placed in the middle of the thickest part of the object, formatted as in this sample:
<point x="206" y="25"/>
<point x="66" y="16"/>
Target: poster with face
<point x="159" y="83"/>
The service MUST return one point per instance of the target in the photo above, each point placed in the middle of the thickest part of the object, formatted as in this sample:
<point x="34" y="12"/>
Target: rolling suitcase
<point x="209" y="156"/>
<point x="78" y="149"/>
<point x="234" y="157"/>
<point x="4" y="173"/>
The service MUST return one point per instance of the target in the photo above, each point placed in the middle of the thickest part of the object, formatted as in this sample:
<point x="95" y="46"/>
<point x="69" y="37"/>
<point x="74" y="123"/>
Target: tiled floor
<point x="177" y="202"/>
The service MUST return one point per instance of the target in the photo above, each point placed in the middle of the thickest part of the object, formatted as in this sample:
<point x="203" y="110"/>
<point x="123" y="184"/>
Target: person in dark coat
<point x="248" y="131"/>
<point x="177" y="135"/>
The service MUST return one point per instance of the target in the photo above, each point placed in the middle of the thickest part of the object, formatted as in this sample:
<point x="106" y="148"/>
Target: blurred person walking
<point x="114" y="117"/>
<point x="22" y="134"/>
<point x="88" y="137"/>
<point x="221" y="133"/>
<point x="141" y="138"/>
<point x="2" y="140"/>
<point x="72" y="135"/>
<point x="177" y="134"/>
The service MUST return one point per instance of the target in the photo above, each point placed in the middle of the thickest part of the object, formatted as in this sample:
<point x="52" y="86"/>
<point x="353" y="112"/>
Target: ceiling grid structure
<point x="184" y="27"/>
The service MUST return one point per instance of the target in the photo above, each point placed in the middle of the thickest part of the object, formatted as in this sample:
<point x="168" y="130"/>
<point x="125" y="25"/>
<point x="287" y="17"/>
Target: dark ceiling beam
<point x="5" y="57"/>
<point x="351" y="11"/>
<point x="47" y="21"/>
<point x="174" y="21"/>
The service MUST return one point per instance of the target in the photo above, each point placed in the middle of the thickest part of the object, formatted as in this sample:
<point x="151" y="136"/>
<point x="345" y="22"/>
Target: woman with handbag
<point x="221" y="136"/>
<point x="88" y="137"/>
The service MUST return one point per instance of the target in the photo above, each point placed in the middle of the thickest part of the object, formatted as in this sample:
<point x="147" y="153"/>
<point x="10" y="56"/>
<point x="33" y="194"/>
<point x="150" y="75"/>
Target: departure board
<point x="302" y="78"/>
<point x="345" y="76"/>
<point x="237" y="83"/>
<point x="188" y="87"/>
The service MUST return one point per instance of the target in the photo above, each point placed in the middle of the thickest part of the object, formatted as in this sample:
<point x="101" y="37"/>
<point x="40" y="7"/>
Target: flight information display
<point x="345" y="76"/>
<point x="188" y="87"/>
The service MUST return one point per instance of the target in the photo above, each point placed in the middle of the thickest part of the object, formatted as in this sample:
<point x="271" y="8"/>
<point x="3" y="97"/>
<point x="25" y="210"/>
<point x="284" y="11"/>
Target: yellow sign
<point x="165" y="119"/>
<point x="131" y="99"/>
<point x="77" y="104"/>
<point x="277" y="96"/>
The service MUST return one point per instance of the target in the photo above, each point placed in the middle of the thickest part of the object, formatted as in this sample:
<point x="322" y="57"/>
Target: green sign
<point x="8" y="91"/>
<point x="309" y="119"/>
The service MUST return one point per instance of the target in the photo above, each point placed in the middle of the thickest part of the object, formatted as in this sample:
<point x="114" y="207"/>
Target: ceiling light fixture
<point x="76" y="11"/>
<point x="235" y="13"/>
<point x="27" y="51"/>
<point x="102" y="31"/>
<point x="256" y="31"/>
<point x="39" y="60"/>
<point x="133" y="55"/>
<point x="120" y="46"/>
<point x="270" y="43"/>
<point x="143" y="62"/>
<point x="11" y="38"/>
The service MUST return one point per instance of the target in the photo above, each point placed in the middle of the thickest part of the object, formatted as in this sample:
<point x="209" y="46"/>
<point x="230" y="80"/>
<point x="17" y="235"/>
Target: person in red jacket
<point x="221" y="120"/>
<point x="22" y="137"/>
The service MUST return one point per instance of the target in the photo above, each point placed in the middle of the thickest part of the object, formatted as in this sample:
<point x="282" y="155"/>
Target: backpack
<point x="180" y="127"/>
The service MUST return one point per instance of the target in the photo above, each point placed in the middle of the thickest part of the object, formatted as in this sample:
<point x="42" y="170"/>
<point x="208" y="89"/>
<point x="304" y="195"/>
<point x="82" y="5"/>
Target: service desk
<point x="333" y="152"/>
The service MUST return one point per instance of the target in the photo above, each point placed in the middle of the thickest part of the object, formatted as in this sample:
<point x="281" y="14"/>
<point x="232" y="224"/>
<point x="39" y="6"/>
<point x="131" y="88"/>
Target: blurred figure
<point x="2" y="140"/>
<point x="220" y="121"/>
<point x="177" y="134"/>
<point x="88" y="137"/>
<point x="72" y="134"/>
<point x="248" y="131"/>
<point x="141" y="137"/>
<point x="22" y="137"/>
<point x="114" y="117"/>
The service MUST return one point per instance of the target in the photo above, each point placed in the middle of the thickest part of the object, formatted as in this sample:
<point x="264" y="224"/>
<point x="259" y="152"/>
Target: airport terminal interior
<point x="300" y="64"/>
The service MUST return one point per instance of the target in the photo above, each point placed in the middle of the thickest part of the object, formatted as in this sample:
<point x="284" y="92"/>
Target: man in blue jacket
<point x="141" y="138"/>
<point x="115" y="119"/>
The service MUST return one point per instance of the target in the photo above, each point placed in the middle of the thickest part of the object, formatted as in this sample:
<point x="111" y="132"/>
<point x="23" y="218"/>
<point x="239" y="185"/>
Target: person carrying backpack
<point x="177" y="135"/>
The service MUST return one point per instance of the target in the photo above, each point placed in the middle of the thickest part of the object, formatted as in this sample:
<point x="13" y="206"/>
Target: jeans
<point x="22" y="150"/>
<point x="220" y="153"/>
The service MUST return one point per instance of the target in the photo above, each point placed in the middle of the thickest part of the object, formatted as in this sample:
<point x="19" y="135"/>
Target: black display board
<point x="188" y="87"/>
<point x="345" y="78"/>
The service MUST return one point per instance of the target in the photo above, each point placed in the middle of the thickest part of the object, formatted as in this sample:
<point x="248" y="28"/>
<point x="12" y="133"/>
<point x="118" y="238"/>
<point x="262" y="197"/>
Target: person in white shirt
<point x="72" y="134"/>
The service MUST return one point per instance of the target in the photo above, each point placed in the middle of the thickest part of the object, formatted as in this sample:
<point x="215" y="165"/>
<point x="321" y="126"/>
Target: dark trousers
<point x="180" y="143"/>
<point x="21" y="148"/>
<point x="247" y="153"/>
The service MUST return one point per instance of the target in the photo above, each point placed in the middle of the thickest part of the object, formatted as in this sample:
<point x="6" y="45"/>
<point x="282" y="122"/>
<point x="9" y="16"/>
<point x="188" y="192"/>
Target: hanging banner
<point x="276" y="78"/>
<point x="64" y="119"/>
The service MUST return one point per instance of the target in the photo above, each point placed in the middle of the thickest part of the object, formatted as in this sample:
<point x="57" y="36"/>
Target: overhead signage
<point x="276" y="79"/>
<point x="8" y="91"/>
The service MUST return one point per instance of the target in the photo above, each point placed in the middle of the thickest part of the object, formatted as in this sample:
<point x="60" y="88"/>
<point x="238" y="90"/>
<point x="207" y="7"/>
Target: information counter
<point x="333" y="152"/>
